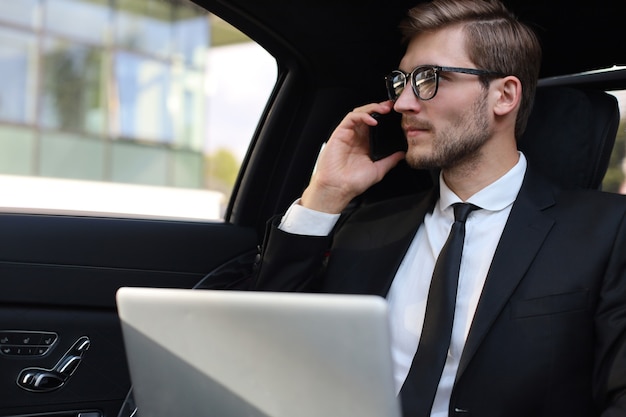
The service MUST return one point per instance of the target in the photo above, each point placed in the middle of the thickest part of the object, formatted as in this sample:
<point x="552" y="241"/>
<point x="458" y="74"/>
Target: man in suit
<point x="539" y="310"/>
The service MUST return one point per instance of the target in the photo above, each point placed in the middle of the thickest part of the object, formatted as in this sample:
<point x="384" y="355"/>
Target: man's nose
<point x="407" y="101"/>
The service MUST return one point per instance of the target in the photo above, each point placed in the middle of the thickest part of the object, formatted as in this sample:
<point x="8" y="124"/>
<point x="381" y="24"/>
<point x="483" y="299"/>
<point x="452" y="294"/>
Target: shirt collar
<point x="494" y="197"/>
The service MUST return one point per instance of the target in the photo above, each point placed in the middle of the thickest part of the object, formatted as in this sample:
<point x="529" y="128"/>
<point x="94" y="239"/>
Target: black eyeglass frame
<point x="437" y="69"/>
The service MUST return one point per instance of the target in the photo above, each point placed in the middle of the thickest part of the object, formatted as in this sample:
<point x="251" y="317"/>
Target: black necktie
<point x="418" y="391"/>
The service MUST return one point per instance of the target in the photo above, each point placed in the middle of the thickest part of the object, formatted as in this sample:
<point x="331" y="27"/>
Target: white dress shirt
<point x="409" y="290"/>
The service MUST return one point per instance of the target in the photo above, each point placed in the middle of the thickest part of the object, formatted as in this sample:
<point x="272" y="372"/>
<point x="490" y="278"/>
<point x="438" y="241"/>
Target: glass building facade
<point x="104" y="90"/>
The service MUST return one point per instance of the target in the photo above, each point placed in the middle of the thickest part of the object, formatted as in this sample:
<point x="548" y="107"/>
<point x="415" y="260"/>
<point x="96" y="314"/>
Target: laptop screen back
<point x="222" y="353"/>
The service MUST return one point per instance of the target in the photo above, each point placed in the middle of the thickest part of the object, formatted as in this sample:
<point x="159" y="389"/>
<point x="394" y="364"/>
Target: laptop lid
<point x="198" y="353"/>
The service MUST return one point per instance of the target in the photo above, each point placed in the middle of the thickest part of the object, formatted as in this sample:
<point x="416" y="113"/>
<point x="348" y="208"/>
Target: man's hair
<point x="495" y="40"/>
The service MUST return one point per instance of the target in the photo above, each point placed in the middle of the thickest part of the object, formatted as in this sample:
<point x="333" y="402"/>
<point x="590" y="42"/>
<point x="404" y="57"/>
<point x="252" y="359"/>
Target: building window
<point x="104" y="92"/>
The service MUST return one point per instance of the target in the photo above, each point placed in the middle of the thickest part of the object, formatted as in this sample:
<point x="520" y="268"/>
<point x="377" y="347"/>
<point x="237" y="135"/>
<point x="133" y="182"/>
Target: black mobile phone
<point x="387" y="137"/>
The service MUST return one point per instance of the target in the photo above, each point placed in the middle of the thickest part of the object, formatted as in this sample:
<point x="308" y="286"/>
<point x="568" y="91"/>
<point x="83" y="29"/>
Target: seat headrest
<point x="570" y="135"/>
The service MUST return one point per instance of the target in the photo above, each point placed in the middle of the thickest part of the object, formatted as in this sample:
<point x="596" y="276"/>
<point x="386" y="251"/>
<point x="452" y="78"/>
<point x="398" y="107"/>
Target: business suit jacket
<point x="549" y="334"/>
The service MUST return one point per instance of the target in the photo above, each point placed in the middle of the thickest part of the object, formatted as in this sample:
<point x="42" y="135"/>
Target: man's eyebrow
<point x="417" y="66"/>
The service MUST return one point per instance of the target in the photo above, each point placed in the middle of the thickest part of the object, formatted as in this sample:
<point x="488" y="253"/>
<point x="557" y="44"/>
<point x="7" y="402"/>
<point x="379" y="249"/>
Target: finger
<point x="383" y="107"/>
<point x="362" y="116"/>
<point x="370" y="113"/>
<point x="385" y="164"/>
<point x="360" y="119"/>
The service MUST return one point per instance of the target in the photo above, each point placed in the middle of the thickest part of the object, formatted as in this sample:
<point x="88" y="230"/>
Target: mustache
<point x="416" y="124"/>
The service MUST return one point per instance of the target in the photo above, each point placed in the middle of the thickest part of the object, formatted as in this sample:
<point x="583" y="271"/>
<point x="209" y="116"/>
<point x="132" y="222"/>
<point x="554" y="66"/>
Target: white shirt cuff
<point x="300" y="220"/>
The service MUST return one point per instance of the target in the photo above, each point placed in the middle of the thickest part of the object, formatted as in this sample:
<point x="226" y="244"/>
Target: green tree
<point x="222" y="168"/>
<point x="73" y="87"/>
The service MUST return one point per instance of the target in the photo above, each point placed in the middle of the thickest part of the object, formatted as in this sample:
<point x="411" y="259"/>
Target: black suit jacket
<point x="549" y="334"/>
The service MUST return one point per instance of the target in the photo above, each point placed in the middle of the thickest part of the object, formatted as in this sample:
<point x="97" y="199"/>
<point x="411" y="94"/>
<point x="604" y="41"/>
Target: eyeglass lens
<point x="424" y="83"/>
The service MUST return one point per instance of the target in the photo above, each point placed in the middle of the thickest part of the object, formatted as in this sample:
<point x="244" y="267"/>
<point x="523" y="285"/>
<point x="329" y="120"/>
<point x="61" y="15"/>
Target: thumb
<point x="385" y="165"/>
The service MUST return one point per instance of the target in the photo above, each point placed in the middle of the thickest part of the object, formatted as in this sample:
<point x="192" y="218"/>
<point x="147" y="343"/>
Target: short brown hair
<point x="496" y="41"/>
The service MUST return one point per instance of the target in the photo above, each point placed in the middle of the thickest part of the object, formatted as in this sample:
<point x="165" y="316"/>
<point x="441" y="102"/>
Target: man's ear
<point x="508" y="95"/>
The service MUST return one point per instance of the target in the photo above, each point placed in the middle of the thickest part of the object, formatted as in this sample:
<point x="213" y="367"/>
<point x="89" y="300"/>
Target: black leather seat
<point x="570" y="135"/>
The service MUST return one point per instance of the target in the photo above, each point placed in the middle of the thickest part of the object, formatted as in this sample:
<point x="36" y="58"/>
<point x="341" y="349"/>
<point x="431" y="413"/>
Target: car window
<point x="126" y="106"/>
<point x="615" y="178"/>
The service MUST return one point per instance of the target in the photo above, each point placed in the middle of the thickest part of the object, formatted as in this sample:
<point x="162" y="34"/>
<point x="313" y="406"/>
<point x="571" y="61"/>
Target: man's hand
<point x="344" y="169"/>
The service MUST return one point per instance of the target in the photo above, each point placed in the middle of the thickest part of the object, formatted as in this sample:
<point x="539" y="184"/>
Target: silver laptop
<point x="195" y="353"/>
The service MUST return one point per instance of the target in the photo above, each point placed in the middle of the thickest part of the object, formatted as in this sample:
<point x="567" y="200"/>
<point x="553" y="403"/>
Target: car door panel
<point x="59" y="276"/>
<point x="99" y="382"/>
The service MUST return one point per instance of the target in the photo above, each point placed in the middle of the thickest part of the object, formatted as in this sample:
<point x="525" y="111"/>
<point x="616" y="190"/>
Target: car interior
<point x="62" y="348"/>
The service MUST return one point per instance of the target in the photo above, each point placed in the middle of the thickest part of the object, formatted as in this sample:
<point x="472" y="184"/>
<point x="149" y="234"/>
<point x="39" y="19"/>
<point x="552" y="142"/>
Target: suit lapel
<point x="371" y="246"/>
<point x="408" y="225"/>
<point x="523" y="235"/>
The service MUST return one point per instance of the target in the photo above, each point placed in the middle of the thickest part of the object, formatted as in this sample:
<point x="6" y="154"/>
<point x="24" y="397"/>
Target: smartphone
<point x="387" y="137"/>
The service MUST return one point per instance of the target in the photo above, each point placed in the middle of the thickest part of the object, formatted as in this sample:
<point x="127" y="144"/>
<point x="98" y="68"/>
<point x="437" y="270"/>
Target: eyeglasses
<point x="425" y="80"/>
